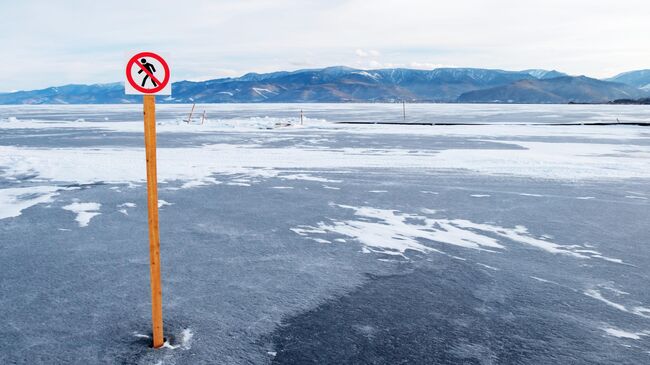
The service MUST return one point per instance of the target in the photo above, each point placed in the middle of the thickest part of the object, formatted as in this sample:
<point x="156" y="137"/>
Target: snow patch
<point x="186" y="339"/>
<point x="262" y="92"/>
<point x="124" y="206"/>
<point x="85" y="211"/>
<point x="238" y="184"/>
<point x="184" y="343"/>
<point x="374" y="76"/>
<point x="543" y="280"/>
<point x="615" y="332"/>
<point x="331" y="187"/>
<point x="572" y="161"/>
<point x="488" y="266"/>
<point x="392" y="232"/>
<point x="636" y="197"/>
<point x="14" y="200"/>
<point x="162" y="203"/>
<point x="306" y="177"/>
<point x="200" y="182"/>
<point x="637" y="310"/>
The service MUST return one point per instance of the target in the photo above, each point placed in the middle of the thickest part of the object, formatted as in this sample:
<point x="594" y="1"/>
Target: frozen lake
<point x="375" y="113"/>
<point x="324" y="242"/>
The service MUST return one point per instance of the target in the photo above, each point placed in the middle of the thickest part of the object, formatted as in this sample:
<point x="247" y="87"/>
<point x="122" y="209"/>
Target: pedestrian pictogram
<point x="147" y="73"/>
<point x="152" y="70"/>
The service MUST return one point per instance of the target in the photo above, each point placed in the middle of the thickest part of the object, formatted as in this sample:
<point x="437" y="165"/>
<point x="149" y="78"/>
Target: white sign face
<point x="147" y="74"/>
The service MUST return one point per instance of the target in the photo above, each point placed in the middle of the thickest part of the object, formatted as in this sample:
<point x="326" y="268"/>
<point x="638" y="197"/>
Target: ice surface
<point x="565" y="161"/>
<point x="429" y="113"/>
<point x="274" y="222"/>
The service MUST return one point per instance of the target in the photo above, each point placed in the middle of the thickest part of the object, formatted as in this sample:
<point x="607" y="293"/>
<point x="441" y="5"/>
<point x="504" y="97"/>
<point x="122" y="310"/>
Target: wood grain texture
<point x="152" y="201"/>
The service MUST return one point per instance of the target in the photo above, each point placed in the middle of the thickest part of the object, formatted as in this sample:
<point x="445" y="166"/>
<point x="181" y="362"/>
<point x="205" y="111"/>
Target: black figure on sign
<point x="149" y="68"/>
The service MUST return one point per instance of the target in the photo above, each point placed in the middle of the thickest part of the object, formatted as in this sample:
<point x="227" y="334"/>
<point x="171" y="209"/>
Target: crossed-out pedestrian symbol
<point x="151" y="72"/>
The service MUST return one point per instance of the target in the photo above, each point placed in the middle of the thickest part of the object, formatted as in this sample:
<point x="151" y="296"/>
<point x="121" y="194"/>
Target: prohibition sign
<point x="136" y="60"/>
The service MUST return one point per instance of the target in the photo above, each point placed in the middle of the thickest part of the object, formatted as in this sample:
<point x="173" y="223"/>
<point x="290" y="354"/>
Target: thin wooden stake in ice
<point x="152" y="201"/>
<point x="189" y="119"/>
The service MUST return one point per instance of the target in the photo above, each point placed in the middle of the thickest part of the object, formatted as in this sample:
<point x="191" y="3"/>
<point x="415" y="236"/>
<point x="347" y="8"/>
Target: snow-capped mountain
<point x="561" y="90"/>
<point x="544" y="74"/>
<point x="640" y="79"/>
<point x="345" y="84"/>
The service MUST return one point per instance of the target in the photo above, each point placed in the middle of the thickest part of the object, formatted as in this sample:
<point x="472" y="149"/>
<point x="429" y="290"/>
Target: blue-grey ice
<point x="327" y="242"/>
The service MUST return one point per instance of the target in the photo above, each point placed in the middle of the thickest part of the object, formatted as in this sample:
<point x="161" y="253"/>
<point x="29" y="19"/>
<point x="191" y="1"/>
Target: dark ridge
<point x="470" y="124"/>
<point x="642" y="101"/>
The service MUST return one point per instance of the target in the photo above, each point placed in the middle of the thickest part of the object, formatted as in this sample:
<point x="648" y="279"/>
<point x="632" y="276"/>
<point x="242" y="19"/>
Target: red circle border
<point x="135" y="85"/>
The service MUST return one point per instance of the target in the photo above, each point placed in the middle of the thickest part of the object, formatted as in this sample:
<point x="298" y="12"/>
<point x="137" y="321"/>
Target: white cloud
<point x="85" y="42"/>
<point x="369" y="53"/>
<point x="427" y="65"/>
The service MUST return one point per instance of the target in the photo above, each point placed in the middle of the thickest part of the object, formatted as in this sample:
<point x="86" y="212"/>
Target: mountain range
<point x="344" y="84"/>
<point x="640" y="79"/>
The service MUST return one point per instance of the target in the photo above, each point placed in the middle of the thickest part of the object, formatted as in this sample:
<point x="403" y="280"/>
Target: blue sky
<point x="45" y="43"/>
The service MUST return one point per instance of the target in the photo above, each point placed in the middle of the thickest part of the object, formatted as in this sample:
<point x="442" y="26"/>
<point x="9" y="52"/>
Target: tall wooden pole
<point x="154" y="236"/>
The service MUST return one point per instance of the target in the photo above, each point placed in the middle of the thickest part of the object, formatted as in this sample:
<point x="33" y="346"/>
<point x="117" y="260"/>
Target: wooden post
<point x="189" y="119"/>
<point x="203" y="117"/>
<point x="404" y="109"/>
<point x="300" y="116"/>
<point x="152" y="200"/>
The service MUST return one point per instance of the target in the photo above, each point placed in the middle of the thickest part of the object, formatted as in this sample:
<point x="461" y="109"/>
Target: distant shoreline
<point x="160" y="102"/>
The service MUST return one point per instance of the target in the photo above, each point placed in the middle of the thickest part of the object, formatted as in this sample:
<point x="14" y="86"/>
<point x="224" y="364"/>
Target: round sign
<point x="149" y="71"/>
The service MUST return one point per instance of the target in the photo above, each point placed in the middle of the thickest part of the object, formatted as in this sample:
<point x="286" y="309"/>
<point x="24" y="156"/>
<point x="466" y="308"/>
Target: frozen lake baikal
<point x="328" y="242"/>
